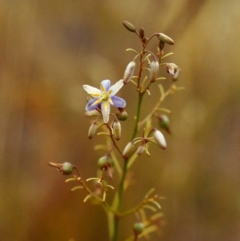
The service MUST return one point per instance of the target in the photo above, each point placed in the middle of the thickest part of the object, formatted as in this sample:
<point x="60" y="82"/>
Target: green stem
<point x="140" y="98"/>
<point x="120" y="199"/>
<point x="124" y="172"/>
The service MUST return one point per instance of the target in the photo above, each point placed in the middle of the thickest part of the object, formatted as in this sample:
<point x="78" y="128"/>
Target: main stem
<point x="124" y="172"/>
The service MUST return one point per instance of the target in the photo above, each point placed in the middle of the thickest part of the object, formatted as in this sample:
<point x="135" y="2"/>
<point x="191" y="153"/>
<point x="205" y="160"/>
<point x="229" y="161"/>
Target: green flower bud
<point x="122" y="115"/>
<point x="160" y="139"/>
<point x="66" y="168"/>
<point x="164" y="122"/>
<point x="117" y="130"/>
<point x="129" y="71"/>
<point x="92" y="130"/>
<point x="138" y="228"/>
<point x="154" y="67"/>
<point x="164" y="38"/>
<point x="129" y="26"/>
<point x="128" y="150"/>
<point x="105" y="162"/>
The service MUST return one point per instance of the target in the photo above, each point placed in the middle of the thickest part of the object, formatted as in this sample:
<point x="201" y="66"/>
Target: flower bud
<point x="92" y="130"/>
<point x="164" y="122"/>
<point x="154" y="67"/>
<point x="161" y="45"/>
<point x="141" y="33"/>
<point x="164" y="38"/>
<point x="144" y="40"/>
<point x="160" y="139"/>
<point x="129" y="26"/>
<point x="128" y="150"/>
<point x="176" y="75"/>
<point x="140" y="150"/>
<point x="122" y="115"/>
<point x="171" y="68"/>
<point x="138" y="228"/>
<point x="66" y="168"/>
<point x="105" y="162"/>
<point x="129" y="71"/>
<point x="117" y="129"/>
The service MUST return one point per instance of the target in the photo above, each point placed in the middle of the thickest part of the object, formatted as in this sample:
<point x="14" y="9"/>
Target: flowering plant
<point x="98" y="106"/>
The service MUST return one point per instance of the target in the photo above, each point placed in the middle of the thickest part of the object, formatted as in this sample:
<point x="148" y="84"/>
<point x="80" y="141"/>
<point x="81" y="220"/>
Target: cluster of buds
<point x="171" y="68"/>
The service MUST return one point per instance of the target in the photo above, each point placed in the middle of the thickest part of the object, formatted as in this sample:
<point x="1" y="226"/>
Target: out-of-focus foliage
<point x="48" y="49"/>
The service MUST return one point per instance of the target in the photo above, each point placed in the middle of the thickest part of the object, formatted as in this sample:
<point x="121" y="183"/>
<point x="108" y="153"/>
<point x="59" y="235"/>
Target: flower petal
<point x="116" y="87"/>
<point x="118" y="102"/>
<point x="90" y="105"/>
<point x="92" y="90"/>
<point x="106" y="84"/>
<point x="105" y="108"/>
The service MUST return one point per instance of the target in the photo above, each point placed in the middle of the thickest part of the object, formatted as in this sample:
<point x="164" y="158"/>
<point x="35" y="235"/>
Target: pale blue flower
<point x="105" y="96"/>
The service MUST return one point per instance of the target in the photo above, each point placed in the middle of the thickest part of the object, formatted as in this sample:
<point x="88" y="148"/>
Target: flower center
<point x="105" y="96"/>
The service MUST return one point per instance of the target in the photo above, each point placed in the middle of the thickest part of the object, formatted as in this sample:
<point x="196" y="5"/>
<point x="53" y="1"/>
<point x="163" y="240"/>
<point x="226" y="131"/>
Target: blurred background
<point x="49" y="49"/>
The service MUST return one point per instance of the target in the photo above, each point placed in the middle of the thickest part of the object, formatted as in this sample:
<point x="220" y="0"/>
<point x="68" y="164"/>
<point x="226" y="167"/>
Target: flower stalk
<point x="108" y="124"/>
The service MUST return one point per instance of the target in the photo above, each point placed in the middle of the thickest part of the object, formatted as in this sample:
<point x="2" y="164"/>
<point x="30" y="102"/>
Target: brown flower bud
<point x="161" y="45"/>
<point x="141" y="33"/>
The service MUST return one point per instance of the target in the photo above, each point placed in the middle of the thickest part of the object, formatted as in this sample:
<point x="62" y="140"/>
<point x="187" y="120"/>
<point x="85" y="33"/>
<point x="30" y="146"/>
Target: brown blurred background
<point x="48" y="49"/>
